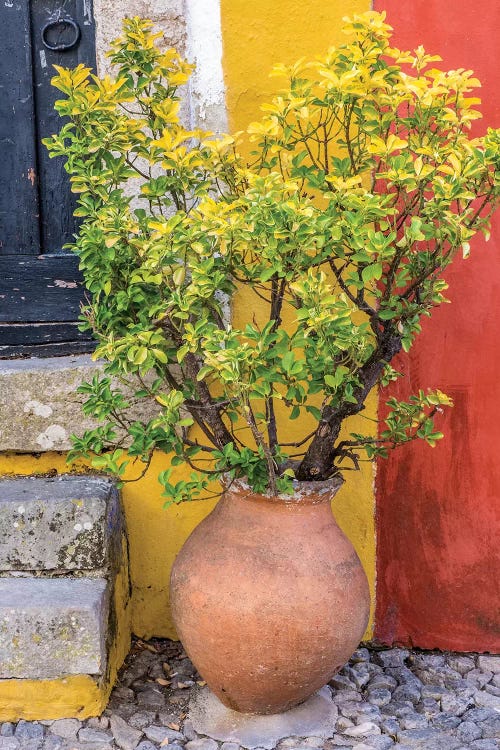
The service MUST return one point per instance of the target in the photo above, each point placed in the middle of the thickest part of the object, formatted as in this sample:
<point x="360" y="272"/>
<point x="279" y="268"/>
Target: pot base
<point x="313" y="718"/>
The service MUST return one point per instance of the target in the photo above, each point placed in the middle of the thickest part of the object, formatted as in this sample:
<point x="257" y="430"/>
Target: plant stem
<point x="318" y="463"/>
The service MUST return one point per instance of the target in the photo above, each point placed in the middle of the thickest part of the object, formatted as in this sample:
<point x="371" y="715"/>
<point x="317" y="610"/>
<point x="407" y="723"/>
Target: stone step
<point x="64" y="523"/>
<point x="52" y="627"/>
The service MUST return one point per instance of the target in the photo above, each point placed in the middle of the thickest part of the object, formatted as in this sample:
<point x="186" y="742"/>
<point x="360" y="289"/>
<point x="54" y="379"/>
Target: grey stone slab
<point x="491" y="727"/>
<point x="9" y="743"/>
<point x="94" y="735"/>
<point x="478" y="677"/>
<point x="489" y="663"/>
<point x="52" y="627"/>
<point x="28" y="730"/>
<point x="125" y="736"/>
<point x="64" y="523"/>
<point x="428" y="739"/>
<point x="468" y="731"/>
<point x="316" y="717"/>
<point x="393" y="657"/>
<point x="364" y="729"/>
<point x="33" y="744"/>
<point x="40" y="408"/>
<point x="66" y="728"/>
<point x="160" y="734"/>
<point x="486" y="700"/>
<point x="53" y="742"/>
<point x="379" y="696"/>
<point x="141" y="719"/>
<point x="462" y="664"/>
<point x="382" y="742"/>
<point x="202" y="744"/>
<point x="485" y="744"/>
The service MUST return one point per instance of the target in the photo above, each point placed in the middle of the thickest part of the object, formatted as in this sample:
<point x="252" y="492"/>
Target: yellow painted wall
<point x="255" y="37"/>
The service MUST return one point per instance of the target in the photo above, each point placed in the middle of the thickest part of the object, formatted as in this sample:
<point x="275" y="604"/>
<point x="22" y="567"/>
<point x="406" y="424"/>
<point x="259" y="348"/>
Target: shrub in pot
<point x="363" y="184"/>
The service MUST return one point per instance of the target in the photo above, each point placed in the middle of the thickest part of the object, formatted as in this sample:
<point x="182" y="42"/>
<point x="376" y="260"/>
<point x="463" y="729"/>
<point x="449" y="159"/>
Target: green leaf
<point x="160" y="356"/>
<point x="141" y="355"/>
<point x="372" y="272"/>
<point x="267" y="274"/>
<point x="386" y="314"/>
<point x="314" y="411"/>
<point x="287" y="361"/>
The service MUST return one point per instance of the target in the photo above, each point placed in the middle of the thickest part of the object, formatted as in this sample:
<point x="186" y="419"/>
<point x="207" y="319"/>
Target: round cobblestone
<point x="409" y="700"/>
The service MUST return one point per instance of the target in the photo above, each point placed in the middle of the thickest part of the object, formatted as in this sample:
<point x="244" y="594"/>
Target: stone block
<point x="65" y="523"/>
<point x="489" y="663"/>
<point x="314" y="718"/>
<point x="53" y="627"/>
<point x="40" y="408"/>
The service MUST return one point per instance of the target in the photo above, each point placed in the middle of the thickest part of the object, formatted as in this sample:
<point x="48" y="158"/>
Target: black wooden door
<point x="40" y="285"/>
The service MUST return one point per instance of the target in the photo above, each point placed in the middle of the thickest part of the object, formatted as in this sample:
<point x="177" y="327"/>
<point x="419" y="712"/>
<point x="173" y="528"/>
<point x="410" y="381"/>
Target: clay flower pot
<point x="269" y="597"/>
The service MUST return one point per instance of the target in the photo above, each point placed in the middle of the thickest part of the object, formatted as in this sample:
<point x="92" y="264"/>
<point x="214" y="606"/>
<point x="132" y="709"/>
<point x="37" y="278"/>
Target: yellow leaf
<point x="163" y="401"/>
<point x="179" y="275"/>
<point x="394" y="143"/>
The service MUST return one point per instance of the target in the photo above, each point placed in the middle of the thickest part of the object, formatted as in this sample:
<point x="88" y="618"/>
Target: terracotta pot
<point x="269" y="597"/>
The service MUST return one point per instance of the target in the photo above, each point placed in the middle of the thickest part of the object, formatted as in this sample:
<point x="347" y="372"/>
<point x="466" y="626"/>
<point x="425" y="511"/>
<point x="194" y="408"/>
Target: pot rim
<point x="306" y="493"/>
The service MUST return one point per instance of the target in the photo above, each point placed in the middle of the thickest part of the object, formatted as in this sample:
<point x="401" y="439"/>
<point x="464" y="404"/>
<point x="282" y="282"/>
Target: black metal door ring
<point x="61" y="23"/>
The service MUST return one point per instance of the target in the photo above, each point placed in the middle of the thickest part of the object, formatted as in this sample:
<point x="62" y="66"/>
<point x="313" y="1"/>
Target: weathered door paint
<point x="438" y="510"/>
<point x="40" y="289"/>
<point x="19" y="194"/>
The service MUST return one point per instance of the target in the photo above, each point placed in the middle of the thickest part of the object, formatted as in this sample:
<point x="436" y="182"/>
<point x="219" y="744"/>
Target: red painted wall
<point x="438" y="510"/>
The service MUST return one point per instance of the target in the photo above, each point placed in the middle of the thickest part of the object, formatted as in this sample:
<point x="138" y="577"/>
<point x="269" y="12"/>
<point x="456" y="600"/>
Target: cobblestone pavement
<point x="409" y="700"/>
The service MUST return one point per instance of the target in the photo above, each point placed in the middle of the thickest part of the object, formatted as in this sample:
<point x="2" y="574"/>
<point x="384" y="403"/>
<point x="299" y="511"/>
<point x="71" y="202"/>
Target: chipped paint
<point x="204" y="48"/>
<point x="87" y="12"/>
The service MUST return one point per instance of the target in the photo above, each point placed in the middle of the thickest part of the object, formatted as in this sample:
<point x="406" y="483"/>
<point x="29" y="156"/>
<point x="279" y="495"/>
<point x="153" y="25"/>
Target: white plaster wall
<point x="204" y="48"/>
<point x="168" y="16"/>
<point x="193" y="28"/>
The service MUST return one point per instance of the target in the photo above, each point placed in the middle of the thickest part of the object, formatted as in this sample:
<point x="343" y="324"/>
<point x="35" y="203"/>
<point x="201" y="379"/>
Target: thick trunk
<point x="319" y="461"/>
<point x="207" y="413"/>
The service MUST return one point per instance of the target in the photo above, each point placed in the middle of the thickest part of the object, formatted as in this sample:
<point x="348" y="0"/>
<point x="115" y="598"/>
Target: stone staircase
<point x="62" y="548"/>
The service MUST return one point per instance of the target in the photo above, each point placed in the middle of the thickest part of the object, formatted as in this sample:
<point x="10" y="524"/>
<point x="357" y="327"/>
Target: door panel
<point x="57" y="225"/>
<point x="18" y="195"/>
<point x="40" y="286"/>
